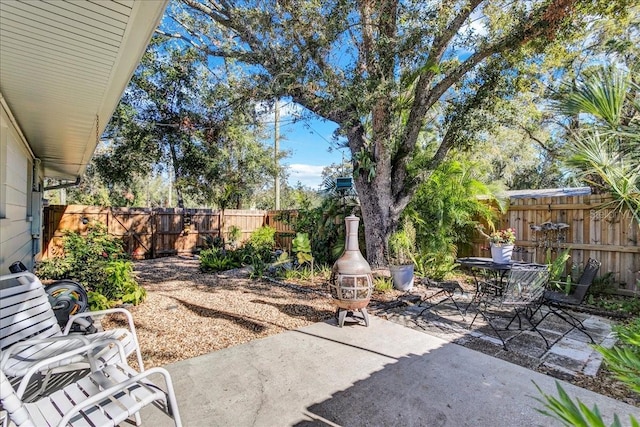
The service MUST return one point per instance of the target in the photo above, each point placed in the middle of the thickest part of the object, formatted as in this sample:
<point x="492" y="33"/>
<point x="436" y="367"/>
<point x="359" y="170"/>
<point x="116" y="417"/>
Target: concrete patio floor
<point x="381" y="375"/>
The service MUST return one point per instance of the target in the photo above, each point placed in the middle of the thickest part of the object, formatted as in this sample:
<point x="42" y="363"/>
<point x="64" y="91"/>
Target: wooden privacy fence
<point x="593" y="232"/>
<point x="611" y="238"/>
<point x="151" y="233"/>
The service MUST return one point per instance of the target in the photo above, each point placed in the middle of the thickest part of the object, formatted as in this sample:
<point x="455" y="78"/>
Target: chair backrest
<point x="526" y="284"/>
<point x="586" y="279"/>
<point x="25" y="311"/>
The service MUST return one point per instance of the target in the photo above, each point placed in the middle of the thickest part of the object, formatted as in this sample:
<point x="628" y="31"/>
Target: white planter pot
<point x="501" y="254"/>
<point x="402" y="276"/>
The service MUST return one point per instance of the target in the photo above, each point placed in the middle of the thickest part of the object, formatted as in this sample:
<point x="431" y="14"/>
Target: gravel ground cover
<point x="188" y="313"/>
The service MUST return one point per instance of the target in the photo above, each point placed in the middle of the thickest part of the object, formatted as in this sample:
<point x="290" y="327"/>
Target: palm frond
<point x="602" y="94"/>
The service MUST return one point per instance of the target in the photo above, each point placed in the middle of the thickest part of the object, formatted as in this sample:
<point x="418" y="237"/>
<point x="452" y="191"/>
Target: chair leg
<point x="504" y="343"/>
<point x="516" y="314"/>
<point x="430" y="305"/>
<point x="529" y="318"/>
<point x="488" y="320"/>
<point x="575" y="324"/>
<point x="449" y="296"/>
<point x="572" y="321"/>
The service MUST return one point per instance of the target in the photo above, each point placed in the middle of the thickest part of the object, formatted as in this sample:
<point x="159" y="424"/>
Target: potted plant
<point x="502" y="242"/>
<point x="401" y="254"/>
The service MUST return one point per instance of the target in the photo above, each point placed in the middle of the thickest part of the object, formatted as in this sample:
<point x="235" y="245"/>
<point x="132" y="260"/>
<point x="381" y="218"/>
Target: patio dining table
<point x="488" y="276"/>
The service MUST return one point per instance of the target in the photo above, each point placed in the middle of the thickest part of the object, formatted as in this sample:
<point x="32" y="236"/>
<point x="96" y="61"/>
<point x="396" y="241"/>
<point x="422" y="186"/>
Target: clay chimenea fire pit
<point x="351" y="282"/>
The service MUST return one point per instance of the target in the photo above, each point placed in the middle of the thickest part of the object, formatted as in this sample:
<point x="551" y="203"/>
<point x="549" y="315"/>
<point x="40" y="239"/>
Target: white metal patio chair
<point x="106" y="397"/>
<point x="29" y="332"/>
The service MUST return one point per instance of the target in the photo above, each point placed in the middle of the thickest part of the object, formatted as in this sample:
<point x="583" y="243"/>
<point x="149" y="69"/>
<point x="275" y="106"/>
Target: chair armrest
<point x="127" y="314"/>
<point x="559" y="286"/>
<point x="91" y="401"/>
<point x="8" y="352"/>
<point x="84" y="350"/>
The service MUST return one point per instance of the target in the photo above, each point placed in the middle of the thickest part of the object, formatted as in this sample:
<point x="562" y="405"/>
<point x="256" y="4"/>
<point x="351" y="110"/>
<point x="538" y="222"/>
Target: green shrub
<point x="301" y="245"/>
<point x="556" y="268"/>
<point x="258" y="250"/>
<point x="234" y="235"/>
<point x="213" y="242"/>
<point x="383" y="284"/>
<point x="98" y="261"/>
<point x="256" y="261"/>
<point x="133" y="294"/>
<point x="624" y="359"/>
<point x="434" y="265"/>
<point x="121" y="283"/>
<point x="324" y="271"/>
<point x="604" y="284"/>
<point x="629" y="305"/>
<point x="263" y="238"/>
<point x="326" y="224"/>
<point x="446" y="212"/>
<point x="305" y="273"/>
<point x="402" y="244"/>
<point x="97" y="301"/>
<point x="573" y="414"/>
<point x="213" y="260"/>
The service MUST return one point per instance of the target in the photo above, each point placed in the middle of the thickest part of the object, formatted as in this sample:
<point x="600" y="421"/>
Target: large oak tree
<point x="178" y="117"/>
<point x="406" y="81"/>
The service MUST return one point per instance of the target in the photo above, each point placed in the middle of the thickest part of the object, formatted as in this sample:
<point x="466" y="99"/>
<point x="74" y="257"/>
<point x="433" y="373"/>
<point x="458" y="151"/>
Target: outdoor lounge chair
<point x="30" y="334"/>
<point x="520" y="298"/>
<point x="106" y="397"/>
<point x="555" y="302"/>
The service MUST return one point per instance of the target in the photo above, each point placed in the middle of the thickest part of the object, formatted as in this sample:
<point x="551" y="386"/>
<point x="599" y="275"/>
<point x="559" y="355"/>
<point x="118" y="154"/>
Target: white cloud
<point x="288" y="110"/>
<point x="308" y="175"/>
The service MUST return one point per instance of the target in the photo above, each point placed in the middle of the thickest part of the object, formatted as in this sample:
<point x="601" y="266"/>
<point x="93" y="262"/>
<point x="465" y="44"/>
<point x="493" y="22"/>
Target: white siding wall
<point x="17" y="212"/>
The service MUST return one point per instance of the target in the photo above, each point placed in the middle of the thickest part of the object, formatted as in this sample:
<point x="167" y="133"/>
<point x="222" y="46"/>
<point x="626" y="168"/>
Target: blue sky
<point x="309" y="143"/>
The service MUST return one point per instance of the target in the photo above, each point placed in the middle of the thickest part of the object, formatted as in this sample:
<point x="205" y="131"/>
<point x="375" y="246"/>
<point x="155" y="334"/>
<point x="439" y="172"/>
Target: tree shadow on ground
<point x="304" y="311"/>
<point x="219" y="314"/>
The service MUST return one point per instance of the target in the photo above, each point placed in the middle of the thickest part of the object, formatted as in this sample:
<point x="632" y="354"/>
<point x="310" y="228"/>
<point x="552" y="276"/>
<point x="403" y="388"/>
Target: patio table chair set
<point x="521" y="291"/>
<point x="33" y="347"/>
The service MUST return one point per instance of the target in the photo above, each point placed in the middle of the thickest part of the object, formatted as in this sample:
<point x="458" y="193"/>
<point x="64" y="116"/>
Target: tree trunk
<point x="176" y="173"/>
<point x="376" y="220"/>
<point x="380" y="211"/>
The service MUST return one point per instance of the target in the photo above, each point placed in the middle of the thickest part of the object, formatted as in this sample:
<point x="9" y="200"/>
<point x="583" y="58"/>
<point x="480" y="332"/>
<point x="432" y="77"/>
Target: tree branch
<point x="419" y="107"/>
<point x="543" y="22"/>
<point x="537" y="140"/>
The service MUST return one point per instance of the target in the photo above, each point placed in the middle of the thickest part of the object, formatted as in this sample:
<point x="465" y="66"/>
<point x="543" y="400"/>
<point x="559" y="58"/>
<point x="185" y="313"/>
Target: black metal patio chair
<point x="557" y="302"/>
<point x="520" y="298"/>
<point x="445" y="291"/>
